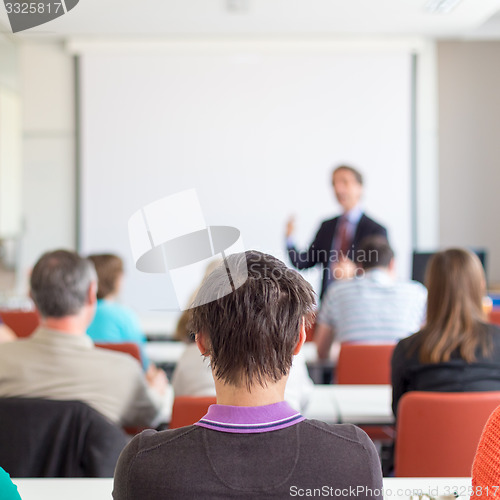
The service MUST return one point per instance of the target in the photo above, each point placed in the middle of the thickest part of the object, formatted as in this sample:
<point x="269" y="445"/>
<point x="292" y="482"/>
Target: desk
<point x="355" y="404"/>
<point x="100" y="489"/>
<point x="164" y="352"/>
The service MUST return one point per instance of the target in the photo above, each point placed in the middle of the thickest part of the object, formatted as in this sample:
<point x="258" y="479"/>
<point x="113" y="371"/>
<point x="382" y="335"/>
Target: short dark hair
<point x="109" y="268"/>
<point x="251" y="332"/>
<point x="375" y="251"/>
<point x="60" y="283"/>
<point x="357" y="174"/>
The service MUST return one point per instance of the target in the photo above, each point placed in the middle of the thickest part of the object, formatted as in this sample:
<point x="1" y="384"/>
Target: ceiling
<point x="269" y="18"/>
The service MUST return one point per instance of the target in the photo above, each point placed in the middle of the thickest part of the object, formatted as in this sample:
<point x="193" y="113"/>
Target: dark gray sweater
<point x="196" y="462"/>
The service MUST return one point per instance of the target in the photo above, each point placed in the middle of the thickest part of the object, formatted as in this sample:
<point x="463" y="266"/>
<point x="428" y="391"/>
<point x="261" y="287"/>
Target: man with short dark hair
<point x="336" y="243"/>
<point x="373" y="307"/>
<point x="251" y="444"/>
<point x="59" y="361"/>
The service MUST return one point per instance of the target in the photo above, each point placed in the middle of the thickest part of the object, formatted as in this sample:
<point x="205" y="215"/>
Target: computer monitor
<point x="420" y="260"/>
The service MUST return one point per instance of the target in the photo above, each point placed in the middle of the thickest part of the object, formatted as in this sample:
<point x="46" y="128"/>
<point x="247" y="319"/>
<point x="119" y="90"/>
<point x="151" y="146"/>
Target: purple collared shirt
<point x="250" y="419"/>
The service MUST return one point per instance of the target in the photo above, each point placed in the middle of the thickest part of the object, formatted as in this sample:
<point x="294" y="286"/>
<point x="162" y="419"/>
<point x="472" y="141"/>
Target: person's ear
<point x="200" y="342"/>
<point x="92" y="293"/>
<point x="302" y="337"/>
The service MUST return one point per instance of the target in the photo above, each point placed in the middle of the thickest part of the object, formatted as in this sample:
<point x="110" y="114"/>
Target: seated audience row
<point x="59" y="361"/>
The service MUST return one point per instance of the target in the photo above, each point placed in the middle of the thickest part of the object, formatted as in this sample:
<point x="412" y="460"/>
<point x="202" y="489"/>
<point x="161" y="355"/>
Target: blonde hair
<point x="455" y="318"/>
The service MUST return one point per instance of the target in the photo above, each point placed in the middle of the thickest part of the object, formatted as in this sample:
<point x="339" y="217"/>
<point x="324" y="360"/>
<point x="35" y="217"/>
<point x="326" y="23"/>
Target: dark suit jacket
<point x="45" y="438"/>
<point x="320" y="251"/>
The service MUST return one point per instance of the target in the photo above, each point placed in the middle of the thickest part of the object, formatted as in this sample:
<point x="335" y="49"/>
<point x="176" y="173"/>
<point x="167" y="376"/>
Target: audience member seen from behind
<point x="251" y="444"/>
<point x="456" y="350"/>
<point x="193" y="376"/>
<point x="486" y="466"/>
<point x="59" y="361"/>
<point x="114" y="322"/>
<point x="372" y="308"/>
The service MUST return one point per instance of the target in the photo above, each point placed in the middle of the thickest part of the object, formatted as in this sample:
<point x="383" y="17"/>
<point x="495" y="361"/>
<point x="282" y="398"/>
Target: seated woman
<point x="456" y="350"/>
<point x="113" y="322"/>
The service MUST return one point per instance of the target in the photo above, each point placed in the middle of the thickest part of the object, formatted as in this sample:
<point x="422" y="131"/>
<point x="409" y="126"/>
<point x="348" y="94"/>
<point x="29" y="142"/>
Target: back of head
<point x="60" y="283"/>
<point x="252" y="332"/>
<point x="455" y="319"/>
<point x="109" y="268"/>
<point x="374" y="251"/>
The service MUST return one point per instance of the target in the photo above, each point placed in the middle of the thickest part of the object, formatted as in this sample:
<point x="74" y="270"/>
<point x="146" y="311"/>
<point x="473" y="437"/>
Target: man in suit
<point x="337" y="241"/>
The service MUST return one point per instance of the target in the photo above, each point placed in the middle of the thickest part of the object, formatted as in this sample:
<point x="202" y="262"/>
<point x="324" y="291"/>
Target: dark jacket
<point x="44" y="438"/>
<point x="321" y="252"/>
<point x="456" y="375"/>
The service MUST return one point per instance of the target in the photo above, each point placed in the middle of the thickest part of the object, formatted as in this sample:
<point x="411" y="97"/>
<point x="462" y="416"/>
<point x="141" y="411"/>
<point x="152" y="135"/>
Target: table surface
<point x="100" y="489"/>
<point x="355" y="404"/>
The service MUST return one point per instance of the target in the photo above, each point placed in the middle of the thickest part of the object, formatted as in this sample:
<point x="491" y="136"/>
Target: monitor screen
<point x="420" y="260"/>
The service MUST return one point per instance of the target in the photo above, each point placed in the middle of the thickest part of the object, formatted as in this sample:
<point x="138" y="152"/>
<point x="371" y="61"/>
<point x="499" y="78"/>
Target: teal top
<point x="8" y="490"/>
<point x="116" y="323"/>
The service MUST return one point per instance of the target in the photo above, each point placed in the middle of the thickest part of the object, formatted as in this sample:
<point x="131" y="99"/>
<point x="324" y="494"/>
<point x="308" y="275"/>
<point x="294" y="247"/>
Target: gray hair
<point x="60" y="283"/>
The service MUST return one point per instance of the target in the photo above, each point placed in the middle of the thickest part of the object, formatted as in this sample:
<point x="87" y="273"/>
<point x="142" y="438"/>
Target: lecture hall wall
<point x="453" y="208"/>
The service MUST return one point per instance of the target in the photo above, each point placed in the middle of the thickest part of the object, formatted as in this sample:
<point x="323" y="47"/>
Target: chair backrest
<point x="45" y="438"/>
<point x="22" y="323"/>
<point x="437" y="433"/>
<point x="126" y="347"/>
<point x="364" y="364"/>
<point x="494" y="316"/>
<point x="189" y="409"/>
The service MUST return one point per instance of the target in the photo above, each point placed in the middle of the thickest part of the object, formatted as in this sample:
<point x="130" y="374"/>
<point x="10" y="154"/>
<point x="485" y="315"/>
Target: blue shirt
<point x="116" y="323"/>
<point x="8" y="490"/>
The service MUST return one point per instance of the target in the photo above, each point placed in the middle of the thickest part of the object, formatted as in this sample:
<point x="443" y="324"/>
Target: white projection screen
<point x="255" y="132"/>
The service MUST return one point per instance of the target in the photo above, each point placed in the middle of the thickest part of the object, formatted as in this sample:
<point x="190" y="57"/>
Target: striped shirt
<point x="250" y="419"/>
<point x="374" y="308"/>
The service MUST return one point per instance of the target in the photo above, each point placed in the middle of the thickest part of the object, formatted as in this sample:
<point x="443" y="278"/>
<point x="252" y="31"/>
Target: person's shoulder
<point x="345" y="433"/>
<point x="116" y="359"/>
<point x="494" y="331"/>
<point x="412" y="286"/>
<point x="114" y="309"/>
<point x="152" y="440"/>
<point x="329" y="223"/>
<point x="407" y="345"/>
<point x="371" y="224"/>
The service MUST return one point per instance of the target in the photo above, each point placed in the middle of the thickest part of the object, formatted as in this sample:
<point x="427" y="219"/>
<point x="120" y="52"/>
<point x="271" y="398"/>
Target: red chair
<point x="126" y="347"/>
<point x="494" y="316"/>
<point x="364" y="364"/>
<point x="438" y="433"/>
<point x="189" y="409"/>
<point x="22" y="323"/>
<point x="367" y="364"/>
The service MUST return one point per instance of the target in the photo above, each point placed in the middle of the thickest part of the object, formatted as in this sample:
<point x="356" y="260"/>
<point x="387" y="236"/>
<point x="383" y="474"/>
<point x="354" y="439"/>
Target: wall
<point x="47" y="91"/>
<point x="469" y="146"/>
